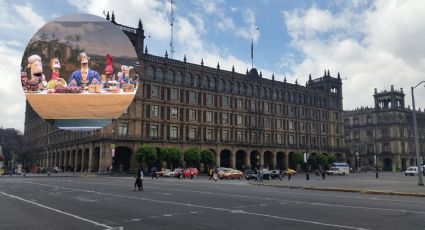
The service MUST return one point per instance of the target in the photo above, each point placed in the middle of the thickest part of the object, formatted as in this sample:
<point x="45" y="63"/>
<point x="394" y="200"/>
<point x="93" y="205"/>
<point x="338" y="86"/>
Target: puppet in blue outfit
<point x="85" y="75"/>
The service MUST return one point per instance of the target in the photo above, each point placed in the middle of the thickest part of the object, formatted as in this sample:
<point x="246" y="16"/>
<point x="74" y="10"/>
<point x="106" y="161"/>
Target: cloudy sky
<point x="373" y="44"/>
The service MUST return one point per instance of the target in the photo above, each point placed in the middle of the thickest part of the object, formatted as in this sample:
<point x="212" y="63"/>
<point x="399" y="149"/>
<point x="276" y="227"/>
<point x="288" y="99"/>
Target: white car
<point x="413" y="170"/>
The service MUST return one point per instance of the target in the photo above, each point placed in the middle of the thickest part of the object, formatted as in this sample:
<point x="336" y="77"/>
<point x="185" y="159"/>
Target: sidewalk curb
<point x="333" y="189"/>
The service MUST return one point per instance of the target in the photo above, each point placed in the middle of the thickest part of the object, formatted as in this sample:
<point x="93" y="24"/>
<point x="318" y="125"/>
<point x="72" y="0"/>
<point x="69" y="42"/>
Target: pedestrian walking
<point x="215" y="174"/>
<point x="210" y="173"/>
<point x="289" y="176"/>
<point x="192" y="174"/>
<point x="323" y="175"/>
<point x="260" y="175"/>
<point x="139" y="180"/>
<point x="154" y="172"/>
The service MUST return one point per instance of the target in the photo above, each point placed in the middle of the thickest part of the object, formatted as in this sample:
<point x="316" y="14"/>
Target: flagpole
<point x="252" y="53"/>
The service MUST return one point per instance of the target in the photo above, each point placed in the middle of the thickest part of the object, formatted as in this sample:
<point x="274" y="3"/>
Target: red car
<point x="187" y="172"/>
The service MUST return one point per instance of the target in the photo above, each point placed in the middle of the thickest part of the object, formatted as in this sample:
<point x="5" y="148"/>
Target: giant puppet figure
<point x="55" y="80"/>
<point x="85" y="75"/>
<point x="37" y="80"/>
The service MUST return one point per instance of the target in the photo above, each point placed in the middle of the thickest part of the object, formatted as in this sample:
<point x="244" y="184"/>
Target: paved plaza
<point x="85" y="201"/>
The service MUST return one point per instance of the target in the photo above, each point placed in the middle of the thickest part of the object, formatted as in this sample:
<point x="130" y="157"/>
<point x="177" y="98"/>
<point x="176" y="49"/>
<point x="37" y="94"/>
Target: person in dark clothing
<point x="139" y="180"/>
<point x="323" y="175"/>
<point x="289" y="176"/>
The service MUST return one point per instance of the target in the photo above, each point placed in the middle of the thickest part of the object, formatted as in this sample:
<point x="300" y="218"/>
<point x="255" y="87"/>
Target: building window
<point x="291" y="125"/>
<point x="279" y="109"/>
<point x="239" y="120"/>
<point x="154" y="91"/>
<point x="174" y="132"/>
<point x="279" y="139"/>
<point x="192" y="115"/>
<point x="253" y="136"/>
<point x="313" y="141"/>
<point x="226" y="119"/>
<point x="268" y="137"/>
<point x="278" y="123"/>
<point x="252" y="105"/>
<point x="192" y="133"/>
<point x="193" y="97"/>
<point x="266" y="107"/>
<point x="225" y="101"/>
<point x="387" y="148"/>
<point x="239" y="104"/>
<point x="240" y="136"/>
<point x="155" y="111"/>
<point x="267" y="123"/>
<point x="209" y="134"/>
<point x="209" y="116"/>
<point x="210" y="99"/>
<point x="153" y="131"/>
<point x="302" y="128"/>
<point x="253" y="121"/>
<point x="226" y="135"/>
<point x="174" y="94"/>
<point x="122" y="128"/>
<point x="291" y="139"/>
<point x="174" y="113"/>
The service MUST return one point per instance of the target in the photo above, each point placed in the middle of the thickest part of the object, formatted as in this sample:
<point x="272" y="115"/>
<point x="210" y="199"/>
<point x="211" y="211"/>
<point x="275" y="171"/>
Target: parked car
<point x="289" y="171"/>
<point x="413" y="170"/>
<point x="222" y="171"/>
<point x="251" y="174"/>
<point x="231" y="174"/>
<point x="187" y="172"/>
<point x="178" y="172"/>
<point x="275" y="174"/>
<point x="163" y="172"/>
<point x="337" y="171"/>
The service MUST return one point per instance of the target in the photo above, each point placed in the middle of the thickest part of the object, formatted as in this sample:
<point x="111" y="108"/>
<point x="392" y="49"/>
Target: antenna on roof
<point x="171" y="19"/>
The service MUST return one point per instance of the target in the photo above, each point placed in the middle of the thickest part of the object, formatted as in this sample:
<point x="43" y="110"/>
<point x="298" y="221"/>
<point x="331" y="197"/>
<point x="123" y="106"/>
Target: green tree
<point x="298" y="158"/>
<point x="170" y="155"/>
<point x="321" y="159"/>
<point x="192" y="156"/>
<point x="146" y="154"/>
<point x="331" y="159"/>
<point x="207" y="157"/>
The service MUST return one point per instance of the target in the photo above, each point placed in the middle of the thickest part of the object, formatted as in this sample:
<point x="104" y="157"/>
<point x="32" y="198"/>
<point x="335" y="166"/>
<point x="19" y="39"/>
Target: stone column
<point x="286" y="160"/>
<point x="217" y="158"/>
<point x="233" y="160"/>
<point x="90" y="160"/>
<point x="274" y="160"/>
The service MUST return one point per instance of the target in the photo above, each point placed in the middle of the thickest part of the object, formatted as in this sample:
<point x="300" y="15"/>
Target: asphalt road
<point x="110" y="203"/>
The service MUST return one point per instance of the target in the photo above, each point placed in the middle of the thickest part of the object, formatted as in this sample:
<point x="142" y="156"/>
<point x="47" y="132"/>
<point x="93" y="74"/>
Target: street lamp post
<point x="415" y="128"/>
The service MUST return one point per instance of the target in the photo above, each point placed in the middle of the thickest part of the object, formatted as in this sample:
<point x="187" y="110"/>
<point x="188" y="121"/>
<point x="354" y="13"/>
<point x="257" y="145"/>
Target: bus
<point x="339" y="168"/>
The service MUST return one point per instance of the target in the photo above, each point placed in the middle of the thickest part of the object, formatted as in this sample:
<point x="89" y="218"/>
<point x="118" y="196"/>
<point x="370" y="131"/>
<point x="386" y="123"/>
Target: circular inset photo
<point x="79" y="72"/>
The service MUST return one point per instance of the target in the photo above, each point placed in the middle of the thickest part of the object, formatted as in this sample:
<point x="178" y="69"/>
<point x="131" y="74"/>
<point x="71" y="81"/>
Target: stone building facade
<point x="384" y="134"/>
<point x="247" y="120"/>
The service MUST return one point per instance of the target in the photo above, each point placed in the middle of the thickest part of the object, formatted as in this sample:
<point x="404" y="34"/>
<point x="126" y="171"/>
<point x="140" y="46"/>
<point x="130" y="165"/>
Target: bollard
<point x="307" y="176"/>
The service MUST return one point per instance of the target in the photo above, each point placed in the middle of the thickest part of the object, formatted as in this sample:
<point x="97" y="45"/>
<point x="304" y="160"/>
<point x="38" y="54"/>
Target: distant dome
<point x="253" y="72"/>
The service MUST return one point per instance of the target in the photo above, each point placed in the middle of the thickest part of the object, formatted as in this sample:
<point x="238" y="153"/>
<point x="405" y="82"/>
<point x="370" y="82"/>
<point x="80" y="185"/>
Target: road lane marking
<point x="273" y="191"/>
<point x="58" y="211"/>
<point x="269" y="199"/>
<point x="273" y="199"/>
<point x="205" y="207"/>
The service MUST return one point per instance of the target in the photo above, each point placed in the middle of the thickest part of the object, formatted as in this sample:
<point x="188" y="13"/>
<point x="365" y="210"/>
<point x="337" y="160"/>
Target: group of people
<point x="79" y="78"/>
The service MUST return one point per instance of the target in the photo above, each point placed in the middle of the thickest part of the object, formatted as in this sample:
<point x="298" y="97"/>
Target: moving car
<point x="275" y="174"/>
<point x="251" y="174"/>
<point x="231" y="174"/>
<point x="289" y="171"/>
<point x="187" y="172"/>
<point x="413" y="170"/>
<point x="163" y="172"/>
<point x="337" y="171"/>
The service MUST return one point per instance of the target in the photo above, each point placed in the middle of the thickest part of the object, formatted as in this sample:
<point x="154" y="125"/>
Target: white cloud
<point x="27" y="13"/>
<point x="11" y="93"/>
<point x="154" y="14"/>
<point x="374" y="47"/>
